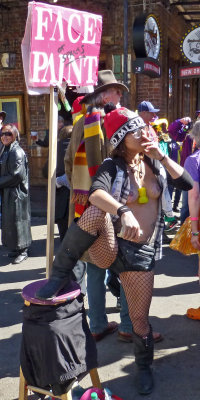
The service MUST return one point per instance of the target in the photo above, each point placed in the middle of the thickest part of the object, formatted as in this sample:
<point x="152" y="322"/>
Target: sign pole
<point x="53" y="128"/>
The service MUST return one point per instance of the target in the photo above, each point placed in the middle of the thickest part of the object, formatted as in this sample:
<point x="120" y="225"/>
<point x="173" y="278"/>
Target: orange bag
<point x="182" y="240"/>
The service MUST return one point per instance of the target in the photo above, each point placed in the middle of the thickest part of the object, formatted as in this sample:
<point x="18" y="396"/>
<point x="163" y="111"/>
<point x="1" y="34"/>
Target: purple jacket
<point x="177" y="133"/>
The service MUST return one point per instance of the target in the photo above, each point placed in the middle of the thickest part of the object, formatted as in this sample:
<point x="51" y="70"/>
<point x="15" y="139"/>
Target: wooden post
<point x="53" y="129"/>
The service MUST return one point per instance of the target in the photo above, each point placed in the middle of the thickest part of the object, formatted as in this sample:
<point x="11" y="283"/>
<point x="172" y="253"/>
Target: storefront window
<point x="118" y="67"/>
<point x="170" y="83"/>
<point x="12" y="105"/>
<point x="186" y="98"/>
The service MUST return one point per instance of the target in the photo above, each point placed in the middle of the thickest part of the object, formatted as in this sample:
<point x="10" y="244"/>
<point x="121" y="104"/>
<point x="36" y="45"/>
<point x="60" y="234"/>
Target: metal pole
<point x="125" y="47"/>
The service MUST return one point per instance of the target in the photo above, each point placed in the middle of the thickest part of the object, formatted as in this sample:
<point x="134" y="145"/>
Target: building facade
<point x="174" y="96"/>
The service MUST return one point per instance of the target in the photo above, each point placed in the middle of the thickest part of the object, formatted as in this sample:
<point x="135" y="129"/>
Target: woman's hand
<point x="130" y="227"/>
<point x="151" y="148"/>
<point x="195" y="242"/>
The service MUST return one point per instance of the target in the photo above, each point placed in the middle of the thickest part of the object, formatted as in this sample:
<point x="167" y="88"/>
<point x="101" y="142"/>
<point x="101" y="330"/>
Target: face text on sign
<point x="65" y="46"/>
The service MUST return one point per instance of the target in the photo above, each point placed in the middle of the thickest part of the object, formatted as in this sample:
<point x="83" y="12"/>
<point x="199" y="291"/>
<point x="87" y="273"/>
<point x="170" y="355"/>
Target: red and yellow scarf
<point x="87" y="159"/>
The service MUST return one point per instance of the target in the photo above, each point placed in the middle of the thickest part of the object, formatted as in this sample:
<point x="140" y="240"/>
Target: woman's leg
<point x="138" y="288"/>
<point x="104" y="250"/>
<point x="94" y="225"/>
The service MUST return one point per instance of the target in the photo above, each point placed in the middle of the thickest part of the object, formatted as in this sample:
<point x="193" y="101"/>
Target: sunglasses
<point x="138" y="133"/>
<point x="6" y="134"/>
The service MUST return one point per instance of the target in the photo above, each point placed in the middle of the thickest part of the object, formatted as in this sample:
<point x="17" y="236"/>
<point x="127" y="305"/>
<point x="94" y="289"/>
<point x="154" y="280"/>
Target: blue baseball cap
<point x="147" y="106"/>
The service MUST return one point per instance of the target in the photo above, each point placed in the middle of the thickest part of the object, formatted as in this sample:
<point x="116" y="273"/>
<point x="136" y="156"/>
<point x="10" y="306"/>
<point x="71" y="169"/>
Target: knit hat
<point x="119" y="121"/>
<point x="106" y="80"/>
<point x="77" y="109"/>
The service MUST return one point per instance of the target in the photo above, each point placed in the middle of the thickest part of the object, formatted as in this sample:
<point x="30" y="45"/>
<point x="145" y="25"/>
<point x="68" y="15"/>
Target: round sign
<point x="152" y="37"/>
<point x="190" y="46"/>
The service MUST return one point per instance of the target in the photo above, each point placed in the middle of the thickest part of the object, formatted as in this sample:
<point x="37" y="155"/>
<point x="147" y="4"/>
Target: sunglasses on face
<point x="138" y="133"/>
<point x="6" y="134"/>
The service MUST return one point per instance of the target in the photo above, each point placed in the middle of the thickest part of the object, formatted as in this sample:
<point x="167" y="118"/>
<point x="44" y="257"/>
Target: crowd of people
<point x="122" y="175"/>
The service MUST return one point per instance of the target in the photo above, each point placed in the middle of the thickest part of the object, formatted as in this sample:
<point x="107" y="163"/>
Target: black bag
<point x="133" y="257"/>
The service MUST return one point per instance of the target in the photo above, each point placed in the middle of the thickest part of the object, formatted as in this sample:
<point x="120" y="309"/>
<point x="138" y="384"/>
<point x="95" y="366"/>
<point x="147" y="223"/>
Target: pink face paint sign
<point x="60" y="44"/>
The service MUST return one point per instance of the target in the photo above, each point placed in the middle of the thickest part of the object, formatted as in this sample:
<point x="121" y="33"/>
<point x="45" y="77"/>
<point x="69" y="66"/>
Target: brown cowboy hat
<point x="3" y="115"/>
<point x="106" y="79"/>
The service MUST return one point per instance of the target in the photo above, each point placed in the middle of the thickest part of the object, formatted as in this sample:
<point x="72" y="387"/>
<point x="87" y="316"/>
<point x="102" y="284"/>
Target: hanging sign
<point x="60" y="44"/>
<point x="147" y="45"/>
<point x="146" y="36"/>
<point x="190" y="45"/>
<point x="192" y="71"/>
<point x="147" y="66"/>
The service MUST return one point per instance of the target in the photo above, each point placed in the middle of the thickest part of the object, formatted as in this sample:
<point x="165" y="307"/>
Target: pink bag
<point x="87" y="394"/>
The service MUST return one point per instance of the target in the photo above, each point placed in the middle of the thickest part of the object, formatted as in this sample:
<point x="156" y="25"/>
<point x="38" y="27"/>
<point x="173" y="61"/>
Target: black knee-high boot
<point x="74" y="244"/>
<point x="144" y="348"/>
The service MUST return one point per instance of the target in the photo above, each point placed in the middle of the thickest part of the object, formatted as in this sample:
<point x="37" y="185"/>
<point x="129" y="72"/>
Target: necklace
<point x="133" y="168"/>
<point x="143" y="198"/>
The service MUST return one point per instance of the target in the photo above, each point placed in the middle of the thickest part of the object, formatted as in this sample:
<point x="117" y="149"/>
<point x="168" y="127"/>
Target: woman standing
<point x="123" y="226"/>
<point x="16" y="228"/>
<point x="187" y="239"/>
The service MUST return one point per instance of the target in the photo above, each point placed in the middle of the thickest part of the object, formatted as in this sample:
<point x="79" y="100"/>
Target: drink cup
<point x="34" y="135"/>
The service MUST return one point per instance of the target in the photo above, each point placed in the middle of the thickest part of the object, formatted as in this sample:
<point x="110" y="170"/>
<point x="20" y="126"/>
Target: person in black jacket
<point x="14" y="187"/>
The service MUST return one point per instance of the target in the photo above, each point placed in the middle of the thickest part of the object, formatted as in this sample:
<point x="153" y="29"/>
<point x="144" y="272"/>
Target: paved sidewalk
<point x="176" y="366"/>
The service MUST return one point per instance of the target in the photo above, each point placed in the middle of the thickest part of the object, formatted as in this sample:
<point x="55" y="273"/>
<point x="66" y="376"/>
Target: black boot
<point x="143" y="358"/>
<point x="74" y="244"/>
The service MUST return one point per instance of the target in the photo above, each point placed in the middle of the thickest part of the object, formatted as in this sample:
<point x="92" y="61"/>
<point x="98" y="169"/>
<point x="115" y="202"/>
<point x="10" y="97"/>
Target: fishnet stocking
<point x="138" y="287"/>
<point x="96" y="222"/>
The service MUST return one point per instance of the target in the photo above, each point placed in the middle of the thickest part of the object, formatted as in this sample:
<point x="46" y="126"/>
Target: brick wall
<point x="142" y="87"/>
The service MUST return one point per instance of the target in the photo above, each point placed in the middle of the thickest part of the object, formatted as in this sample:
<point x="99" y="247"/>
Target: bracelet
<point x="195" y="233"/>
<point x="121" y="210"/>
<point x="162" y="158"/>
<point x="194" y="218"/>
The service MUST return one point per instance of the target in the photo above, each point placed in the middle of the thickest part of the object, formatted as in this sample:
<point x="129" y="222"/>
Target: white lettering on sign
<point x="43" y="63"/>
<point x="59" y="24"/>
<point x="89" y="29"/>
<point x="62" y="44"/>
<point x="152" y="67"/>
<point x="193" y="71"/>
<point x="71" y="20"/>
<point x="42" y="23"/>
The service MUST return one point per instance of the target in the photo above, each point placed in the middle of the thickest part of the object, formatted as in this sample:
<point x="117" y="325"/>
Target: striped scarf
<point x="87" y="159"/>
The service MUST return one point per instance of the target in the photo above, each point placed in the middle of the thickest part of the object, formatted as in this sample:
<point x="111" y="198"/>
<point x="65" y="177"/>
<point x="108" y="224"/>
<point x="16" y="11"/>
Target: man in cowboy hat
<point x="96" y="147"/>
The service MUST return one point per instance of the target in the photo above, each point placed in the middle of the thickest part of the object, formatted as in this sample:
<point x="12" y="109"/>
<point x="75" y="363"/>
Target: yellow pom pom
<point x="142" y="195"/>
